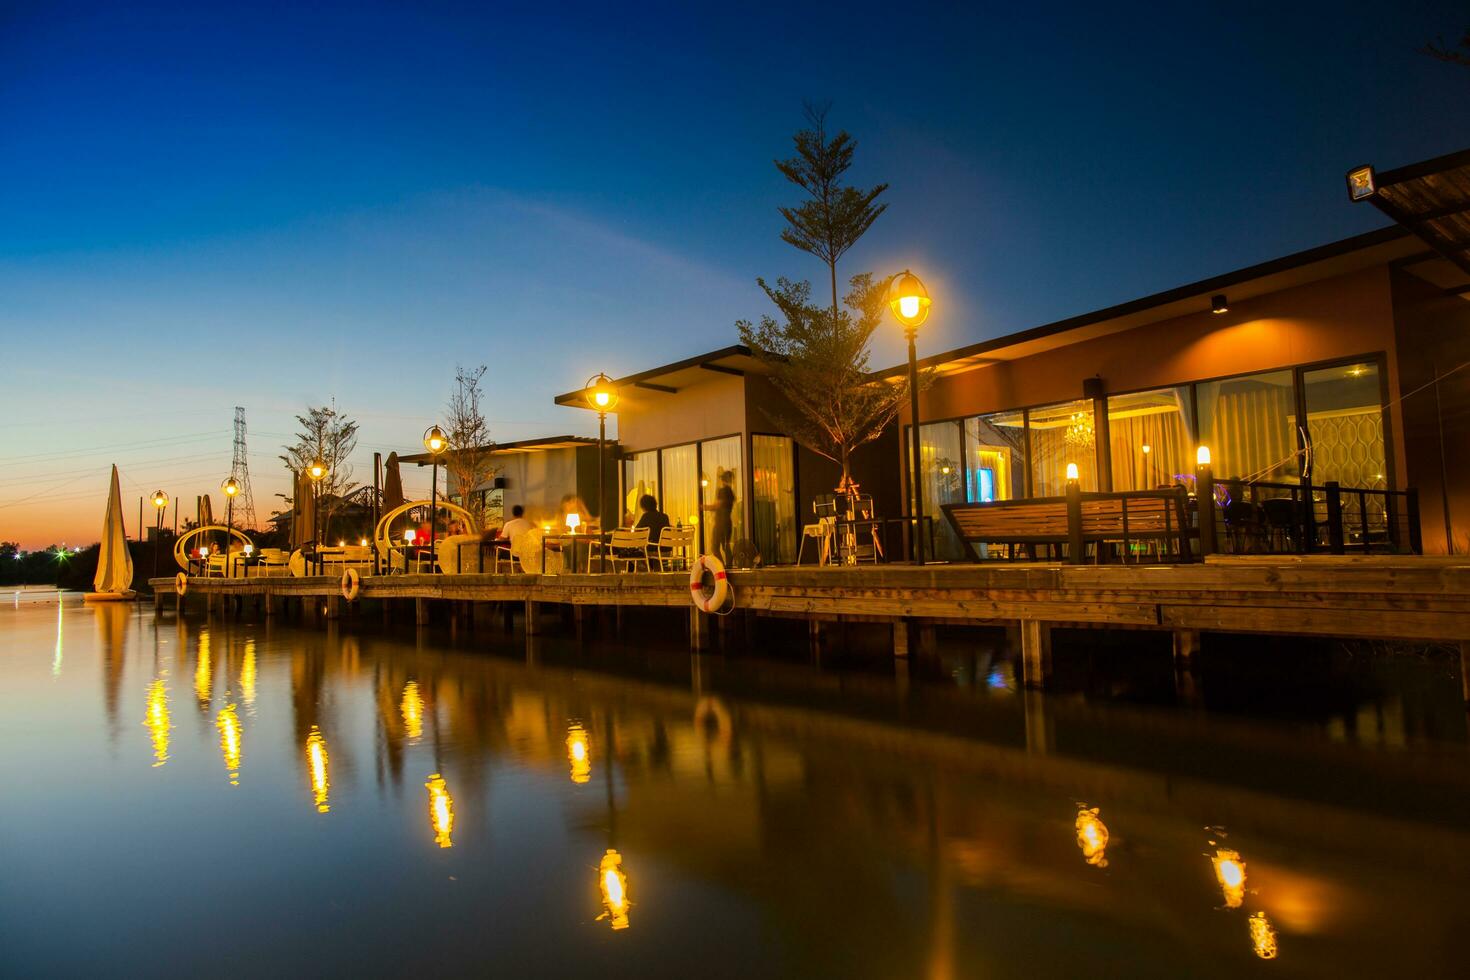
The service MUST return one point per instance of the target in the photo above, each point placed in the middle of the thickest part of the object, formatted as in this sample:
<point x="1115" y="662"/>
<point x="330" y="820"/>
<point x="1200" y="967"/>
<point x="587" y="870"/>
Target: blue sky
<point x="202" y="208"/>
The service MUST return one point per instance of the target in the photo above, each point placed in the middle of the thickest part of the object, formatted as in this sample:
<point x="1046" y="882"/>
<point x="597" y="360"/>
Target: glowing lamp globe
<point x="909" y="300"/>
<point x="317" y="471"/>
<point x="160" y="499"/>
<point x="1202" y="456"/>
<point x="435" y="441"/>
<point x="601" y="395"/>
<point x="409" y="535"/>
<point x="230" y="487"/>
<point x="1071" y="471"/>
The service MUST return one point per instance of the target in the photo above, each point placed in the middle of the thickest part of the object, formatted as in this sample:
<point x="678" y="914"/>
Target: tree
<point x="469" y="460"/>
<point x="817" y="355"/>
<point x="329" y="436"/>
<point x="1438" y="49"/>
<point x="819" y="362"/>
<point x="834" y="216"/>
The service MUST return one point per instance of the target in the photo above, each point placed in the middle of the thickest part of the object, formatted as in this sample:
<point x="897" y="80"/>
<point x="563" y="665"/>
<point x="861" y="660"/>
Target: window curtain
<point x="942" y="455"/>
<point x="681" y="486"/>
<point x="1170" y="454"/>
<point x="773" y="500"/>
<point x="1254" y="435"/>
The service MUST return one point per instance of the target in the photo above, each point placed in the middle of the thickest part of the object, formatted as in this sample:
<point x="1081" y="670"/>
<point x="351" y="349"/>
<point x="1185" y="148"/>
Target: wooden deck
<point x="1390" y="598"/>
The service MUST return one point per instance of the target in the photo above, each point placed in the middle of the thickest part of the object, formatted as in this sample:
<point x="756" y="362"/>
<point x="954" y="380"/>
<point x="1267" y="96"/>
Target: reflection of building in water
<point x="1230" y="873"/>
<point x="441" y="810"/>
<point x="579" y="754"/>
<point x="228" y="723"/>
<point x="316" y="762"/>
<point x="156" y="720"/>
<point x="412" y="709"/>
<point x="1263" y="937"/>
<point x="1092" y="837"/>
<point x="613" y="883"/>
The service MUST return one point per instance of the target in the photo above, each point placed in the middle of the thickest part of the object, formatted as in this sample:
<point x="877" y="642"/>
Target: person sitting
<point x="651" y="517"/>
<point x="517" y="525"/>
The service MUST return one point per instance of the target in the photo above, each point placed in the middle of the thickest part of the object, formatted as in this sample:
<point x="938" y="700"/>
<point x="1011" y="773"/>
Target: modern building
<point x="687" y="428"/>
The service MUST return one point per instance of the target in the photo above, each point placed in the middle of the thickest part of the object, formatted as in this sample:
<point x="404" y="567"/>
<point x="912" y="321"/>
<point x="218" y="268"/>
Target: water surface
<point x="242" y="798"/>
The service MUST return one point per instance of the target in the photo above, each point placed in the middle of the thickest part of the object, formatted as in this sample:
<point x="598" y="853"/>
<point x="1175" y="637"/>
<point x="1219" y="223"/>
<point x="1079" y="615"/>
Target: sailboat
<point x="114" y="564"/>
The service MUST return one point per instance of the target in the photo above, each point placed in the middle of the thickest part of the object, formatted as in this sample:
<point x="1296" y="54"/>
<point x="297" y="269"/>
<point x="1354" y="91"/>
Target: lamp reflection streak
<point x="230" y="742"/>
<point x="202" y="675"/>
<point x="614" y="885"/>
<point x="1092" y="837"/>
<point x="412" y="709"/>
<point x="579" y="754"/>
<point x="441" y="810"/>
<point x="247" y="675"/>
<point x="156" y="719"/>
<point x="1263" y="936"/>
<point x="316" y="760"/>
<point x="1230" y="873"/>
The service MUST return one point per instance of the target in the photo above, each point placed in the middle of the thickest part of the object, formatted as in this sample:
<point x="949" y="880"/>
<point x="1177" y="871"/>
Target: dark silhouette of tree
<point x="1438" y="49"/>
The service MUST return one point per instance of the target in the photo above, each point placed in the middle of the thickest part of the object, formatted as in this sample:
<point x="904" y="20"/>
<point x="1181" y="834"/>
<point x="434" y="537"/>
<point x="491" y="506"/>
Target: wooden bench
<point x="1154" y="519"/>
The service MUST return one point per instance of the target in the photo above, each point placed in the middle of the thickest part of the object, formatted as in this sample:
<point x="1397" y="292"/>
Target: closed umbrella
<point x="114" y="563"/>
<point x="392" y="484"/>
<point x="206" y="512"/>
<point x="305" y="512"/>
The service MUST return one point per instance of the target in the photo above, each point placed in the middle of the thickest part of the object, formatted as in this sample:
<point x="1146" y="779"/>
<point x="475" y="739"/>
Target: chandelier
<point x="1079" y="431"/>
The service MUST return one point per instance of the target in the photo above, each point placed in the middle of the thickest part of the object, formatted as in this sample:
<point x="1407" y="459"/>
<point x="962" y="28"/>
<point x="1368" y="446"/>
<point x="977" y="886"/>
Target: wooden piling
<point x="698" y="629"/>
<point x="1035" y="653"/>
<point x="532" y="626"/>
<point x="900" y="638"/>
<point x="421" y="612"/>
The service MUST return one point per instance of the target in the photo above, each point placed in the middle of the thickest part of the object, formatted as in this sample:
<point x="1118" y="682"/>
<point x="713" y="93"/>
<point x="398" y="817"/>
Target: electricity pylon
<point x="240" y="470"/>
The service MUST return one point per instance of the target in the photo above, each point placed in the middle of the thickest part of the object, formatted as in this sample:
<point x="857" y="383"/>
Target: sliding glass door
<point x="773" y="498"/>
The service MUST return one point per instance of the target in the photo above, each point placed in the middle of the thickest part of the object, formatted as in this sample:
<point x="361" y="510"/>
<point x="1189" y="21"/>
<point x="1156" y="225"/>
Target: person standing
<point x="722" y="528"/>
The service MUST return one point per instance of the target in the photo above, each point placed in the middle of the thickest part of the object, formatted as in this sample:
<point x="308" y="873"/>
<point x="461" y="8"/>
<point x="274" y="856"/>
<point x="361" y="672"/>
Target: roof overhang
<point x="735" y="360"/>
<point x="1379" y="247"/>
<point x="544" y="444"/>
<point x="1430" y="199"/>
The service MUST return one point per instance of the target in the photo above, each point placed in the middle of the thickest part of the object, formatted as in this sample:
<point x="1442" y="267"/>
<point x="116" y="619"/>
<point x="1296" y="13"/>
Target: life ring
<point x="708" y="601"/>
<point x="351" y="582"/>
<point x="181" y="583"/>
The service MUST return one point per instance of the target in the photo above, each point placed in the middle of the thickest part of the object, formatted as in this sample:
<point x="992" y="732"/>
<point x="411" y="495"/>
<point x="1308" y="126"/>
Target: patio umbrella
<point x="392" y="484"/>
<point x="206" y="512"/>
<point x="303" y="523"/>
<point x="114" y="563"/>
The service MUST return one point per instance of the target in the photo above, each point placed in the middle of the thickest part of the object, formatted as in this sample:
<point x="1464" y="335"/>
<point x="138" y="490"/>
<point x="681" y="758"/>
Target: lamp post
<point x="1204" y="500"/>
<point x="435" y="441"/>
<point x="603" y="398"/>
<point x="160" y="504"/>
<point x="230" y="489"/>
<point x="317" y="471"/>
<point x="909" y="301"/>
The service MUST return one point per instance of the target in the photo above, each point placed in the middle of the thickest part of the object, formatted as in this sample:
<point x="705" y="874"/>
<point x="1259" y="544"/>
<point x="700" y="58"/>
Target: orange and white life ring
<point x="181" y="583"/>
<point x="708" y="601"/>
<point x="351" y="582"/>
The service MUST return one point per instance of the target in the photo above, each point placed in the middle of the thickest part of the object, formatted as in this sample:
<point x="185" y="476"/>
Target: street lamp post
<point x="160" y="504"/>
<point x="317" y="471"/>
<point x="231" y="489"/>
<point x="603" y="398"/>
<point x="909" y="301"/>
<point x="435" y="441"/>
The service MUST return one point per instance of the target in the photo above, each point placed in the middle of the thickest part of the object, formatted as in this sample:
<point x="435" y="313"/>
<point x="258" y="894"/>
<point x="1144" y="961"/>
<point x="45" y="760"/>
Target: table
<point x="574" y="540"/>
<point x="487" y="561"/>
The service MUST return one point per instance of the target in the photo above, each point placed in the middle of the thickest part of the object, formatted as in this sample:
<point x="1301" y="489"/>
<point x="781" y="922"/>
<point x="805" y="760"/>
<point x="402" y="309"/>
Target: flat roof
<point x="1336" y="258"/>
<point x="540" y="445"/>
<point x="736" y="360"/>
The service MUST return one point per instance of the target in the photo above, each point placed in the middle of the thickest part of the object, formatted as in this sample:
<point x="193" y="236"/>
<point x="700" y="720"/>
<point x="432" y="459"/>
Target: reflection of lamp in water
<point x="228" y="723"/>
<point x="247" y="675"/>
<point x="316" y="759"/>
<point x="412" y="709"/>
<point x="579" y="755"/>
<point x="156" y="719"/>
<point x="1263" y="936"/>
<point x="441" y="810"/>
<point x="614" y="885"/>
<point x="202" y="676"/>
<point x="1230" y="873"/>
<point x="1092" y="837"/>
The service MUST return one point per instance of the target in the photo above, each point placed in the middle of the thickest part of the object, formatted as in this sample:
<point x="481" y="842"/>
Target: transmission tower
<point x="240" y="470"/>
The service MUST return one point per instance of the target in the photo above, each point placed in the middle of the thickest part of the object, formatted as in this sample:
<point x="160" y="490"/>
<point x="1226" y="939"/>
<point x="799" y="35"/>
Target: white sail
<point x="114" y="563"/>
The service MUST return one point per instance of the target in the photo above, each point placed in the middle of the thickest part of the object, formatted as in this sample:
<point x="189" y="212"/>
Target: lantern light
<point x="1361" y="183"/>
<point x="249" y="550"/>
<point x="1147" y="449"/>
<point x="160" y="499"/>
<point x="1202" y="456"/>
<point x="317" y="470"/>
<point x="908" y="299"/>
<point x="601" y="395"/>
<point x="1071" y="472"/>
<point x="409" y="534"/>
<point x="230" y="487"/>
<point x="574" y="520"/>
<point x="435" y="441"/>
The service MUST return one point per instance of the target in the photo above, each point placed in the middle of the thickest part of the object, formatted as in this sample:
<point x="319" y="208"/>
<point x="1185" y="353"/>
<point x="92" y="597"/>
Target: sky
<point x="276" y="206"/>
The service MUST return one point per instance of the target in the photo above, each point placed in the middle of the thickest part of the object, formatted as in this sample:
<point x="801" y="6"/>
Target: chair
<point x="626" y="545"/>
<point x="675" y="548"/>
<point x="1281" y="522"/>
<point x="273" y="561"/>
<point x="823" y="531"/>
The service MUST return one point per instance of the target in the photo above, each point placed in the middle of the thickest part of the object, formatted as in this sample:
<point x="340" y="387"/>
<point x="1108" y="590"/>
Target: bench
<point x="1141" y="521"/>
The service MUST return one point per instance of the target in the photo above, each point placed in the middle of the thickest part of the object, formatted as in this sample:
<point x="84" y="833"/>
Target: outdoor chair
<point x="1281" y="523"/>
<point x="273" y="561"/>
<point x="823" y="531"/>
<point x="626" y="545"/>
<point x="675" y="548"/>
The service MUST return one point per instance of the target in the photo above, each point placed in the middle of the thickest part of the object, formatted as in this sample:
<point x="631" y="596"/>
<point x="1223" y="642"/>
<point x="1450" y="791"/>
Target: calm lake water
<point x="183" y="797"/>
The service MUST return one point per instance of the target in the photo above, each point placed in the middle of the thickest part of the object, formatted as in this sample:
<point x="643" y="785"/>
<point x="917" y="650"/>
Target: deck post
<point x="1204" y="495"/>
<point x="1335" y="541"/>
<point x="1186" y="666"/>
<point x="157" y="602"/>
<point x="334" y="606"/>
<point x="1035" y="653"/>
<point x="532" y="626"/>
<point x="901" y="640"/>
<point x="698" y="629"/>
<point x="1074" y="522"/>
<point x="1039" y="728"/>
<point x="268" y="601"/>
<point x="421" y="612"/>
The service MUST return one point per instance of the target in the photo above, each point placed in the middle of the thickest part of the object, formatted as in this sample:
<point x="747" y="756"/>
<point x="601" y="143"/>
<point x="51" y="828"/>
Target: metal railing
<point x="1306" y="518"/>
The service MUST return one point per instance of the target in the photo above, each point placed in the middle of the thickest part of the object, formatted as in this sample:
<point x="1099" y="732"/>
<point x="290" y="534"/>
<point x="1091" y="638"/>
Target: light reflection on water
<point x="778" y="820"/>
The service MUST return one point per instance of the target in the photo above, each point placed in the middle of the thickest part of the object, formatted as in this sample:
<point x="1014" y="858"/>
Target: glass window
<point x="1062" y="434"/>
<point x="996" y="469"/>
<point x="773" y="498"/>
<point x="681" y="485"/>
<point x="1151" y="439"/>
<point x="640" y="476"/>
<point x="942" y="455"/>
<point x="1249" y="423"/>
<point x="1345" y="424"/>
<point x="720" y="488"/>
